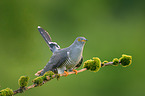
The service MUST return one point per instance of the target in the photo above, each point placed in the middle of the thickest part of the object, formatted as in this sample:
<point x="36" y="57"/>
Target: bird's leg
<point x="65" y="72"/>
<point x="76" y="72"/>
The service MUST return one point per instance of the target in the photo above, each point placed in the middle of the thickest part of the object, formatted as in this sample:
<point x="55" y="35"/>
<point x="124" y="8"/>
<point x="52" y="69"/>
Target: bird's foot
<point x="76" y="72"/>
<point x="66" y="73"/>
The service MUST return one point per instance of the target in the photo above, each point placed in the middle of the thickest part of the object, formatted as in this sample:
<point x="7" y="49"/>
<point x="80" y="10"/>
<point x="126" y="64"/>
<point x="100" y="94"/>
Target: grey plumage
<point x="63" y="59"/>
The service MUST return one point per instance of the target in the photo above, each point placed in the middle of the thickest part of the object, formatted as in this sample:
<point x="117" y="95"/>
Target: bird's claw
<point x="66" y="73"/>
<point x="76" y="72"/>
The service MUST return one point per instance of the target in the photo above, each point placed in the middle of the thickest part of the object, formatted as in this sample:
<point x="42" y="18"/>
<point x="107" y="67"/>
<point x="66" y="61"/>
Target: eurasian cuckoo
<point x="63" y="60"/>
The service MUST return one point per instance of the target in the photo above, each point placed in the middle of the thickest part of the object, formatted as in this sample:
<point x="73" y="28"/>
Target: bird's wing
<point x="80" y="63"/>
<point x="52" y="45"/>
<point x="55" y="61"/>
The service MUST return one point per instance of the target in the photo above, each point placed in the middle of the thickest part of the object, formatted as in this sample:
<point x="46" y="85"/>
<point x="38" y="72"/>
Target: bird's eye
<point x="79" y="39"/>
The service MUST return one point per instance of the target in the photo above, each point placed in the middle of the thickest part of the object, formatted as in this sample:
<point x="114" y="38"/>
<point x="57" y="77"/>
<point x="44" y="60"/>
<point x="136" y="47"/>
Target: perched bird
<point x="63" y="60"/>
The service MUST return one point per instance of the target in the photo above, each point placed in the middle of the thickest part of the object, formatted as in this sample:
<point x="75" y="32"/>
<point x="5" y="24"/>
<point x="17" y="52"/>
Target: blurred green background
<point x="112" y="27"/>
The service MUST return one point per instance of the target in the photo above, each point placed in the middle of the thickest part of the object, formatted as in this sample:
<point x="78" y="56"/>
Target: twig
<point x="109" y="63"/>
<point x="54" y="76"/>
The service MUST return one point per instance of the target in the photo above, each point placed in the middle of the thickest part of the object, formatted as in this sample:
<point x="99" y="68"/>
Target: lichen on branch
<point x="125" y="60"/>
<point x="23" y="81"/>
<point x="6" y="92"/>
<point x="92" y="65"/>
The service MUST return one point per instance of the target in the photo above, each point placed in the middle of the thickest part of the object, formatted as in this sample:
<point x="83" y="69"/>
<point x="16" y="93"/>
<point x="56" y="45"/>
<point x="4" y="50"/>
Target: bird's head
<point x="81" y="40"/>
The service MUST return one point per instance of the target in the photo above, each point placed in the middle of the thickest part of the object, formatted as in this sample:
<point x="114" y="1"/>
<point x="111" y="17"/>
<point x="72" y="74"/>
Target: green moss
<point x="115" y="61"/>
<point x="105" y="61"/>
<point x="38" y="80"/>
<point x="6" y="92"/>
<point x="23" y="81"/>
<point x="93" y="65"/>
<point x="102" y="64"/>
<point x="49" y="73"/>
<point x="57" y="76"/>
<point x="87" y="64"/>
<point x="125" y="60"/>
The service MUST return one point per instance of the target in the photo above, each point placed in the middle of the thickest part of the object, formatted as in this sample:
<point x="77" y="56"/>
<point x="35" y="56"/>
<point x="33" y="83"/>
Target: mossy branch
<point x="92" y="65"/>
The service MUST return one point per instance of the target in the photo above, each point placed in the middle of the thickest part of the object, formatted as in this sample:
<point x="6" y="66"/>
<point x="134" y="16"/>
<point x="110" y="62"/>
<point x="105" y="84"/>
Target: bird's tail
<point x="52" y="45"/>
<point x="44" y="34"/>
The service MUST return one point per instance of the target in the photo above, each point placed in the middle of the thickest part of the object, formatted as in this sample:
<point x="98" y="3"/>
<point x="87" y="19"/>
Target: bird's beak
<point x="84" y="40"/>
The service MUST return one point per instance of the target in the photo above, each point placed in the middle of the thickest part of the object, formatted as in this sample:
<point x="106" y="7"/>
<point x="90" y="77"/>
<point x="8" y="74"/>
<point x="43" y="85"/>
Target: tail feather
<point x="52" y="45"/>
<point x="45" y="34"/>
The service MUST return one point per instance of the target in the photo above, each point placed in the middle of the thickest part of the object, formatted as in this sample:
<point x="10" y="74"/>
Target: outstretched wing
<point x="55" y="61"/>
<point x="80" y="63"/>
<point x="52" y="45"/>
